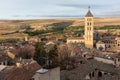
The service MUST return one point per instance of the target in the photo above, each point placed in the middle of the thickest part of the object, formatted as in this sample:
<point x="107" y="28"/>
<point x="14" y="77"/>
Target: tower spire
<point x="89" y="14"/>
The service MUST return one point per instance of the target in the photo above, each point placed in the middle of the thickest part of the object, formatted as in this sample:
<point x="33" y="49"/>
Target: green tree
<point x="40" y="54"/>
<point x="53" y="55"/>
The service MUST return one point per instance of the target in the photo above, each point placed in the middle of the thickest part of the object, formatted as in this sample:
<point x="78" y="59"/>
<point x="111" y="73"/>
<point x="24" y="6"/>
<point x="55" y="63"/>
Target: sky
<point x="49" y="9"/>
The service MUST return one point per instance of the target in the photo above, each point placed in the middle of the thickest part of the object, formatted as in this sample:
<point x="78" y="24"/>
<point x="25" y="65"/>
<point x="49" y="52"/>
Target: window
<point x="87" y="28"/>
<point x="88" y="24"/>
<point x="90" y="28"/>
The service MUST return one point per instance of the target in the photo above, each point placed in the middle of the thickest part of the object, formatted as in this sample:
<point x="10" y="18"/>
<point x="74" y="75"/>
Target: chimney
<point x="19" y="65"/>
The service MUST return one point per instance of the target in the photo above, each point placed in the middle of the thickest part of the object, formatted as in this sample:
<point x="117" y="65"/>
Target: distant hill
<point x="9" y="26"/>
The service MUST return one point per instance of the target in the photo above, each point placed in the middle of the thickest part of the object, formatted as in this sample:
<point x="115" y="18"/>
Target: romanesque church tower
<point x="89" y="23"/>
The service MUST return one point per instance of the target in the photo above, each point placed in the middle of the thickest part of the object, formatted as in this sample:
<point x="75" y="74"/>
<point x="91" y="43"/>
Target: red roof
<point x="24" y="73"/>
<point x="23" y="50"/>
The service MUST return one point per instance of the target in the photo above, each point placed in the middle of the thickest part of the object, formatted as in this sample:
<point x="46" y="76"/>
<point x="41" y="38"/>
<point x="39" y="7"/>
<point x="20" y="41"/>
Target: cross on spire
<point x="89" y="14"/>
<point x="89" y="7"/>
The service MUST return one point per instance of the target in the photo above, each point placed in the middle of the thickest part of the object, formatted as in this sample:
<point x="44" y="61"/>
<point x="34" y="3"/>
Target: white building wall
<point x="75" y="41"/>
<point x="52" y="74"/>
<point x="100" y="45"/>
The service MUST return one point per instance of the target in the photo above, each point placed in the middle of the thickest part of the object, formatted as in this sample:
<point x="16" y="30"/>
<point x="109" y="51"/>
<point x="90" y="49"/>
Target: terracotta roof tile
<point x="24" y="73"/>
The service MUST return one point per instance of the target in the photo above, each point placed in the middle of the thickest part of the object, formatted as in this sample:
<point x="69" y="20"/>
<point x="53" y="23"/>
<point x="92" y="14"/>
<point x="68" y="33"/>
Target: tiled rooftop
<point x="24" y="73"/>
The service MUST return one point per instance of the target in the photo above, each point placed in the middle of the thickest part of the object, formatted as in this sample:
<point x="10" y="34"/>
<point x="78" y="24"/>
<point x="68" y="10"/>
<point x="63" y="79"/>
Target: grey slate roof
<point x="80" y="72"/>
<point x="89" y="14"/>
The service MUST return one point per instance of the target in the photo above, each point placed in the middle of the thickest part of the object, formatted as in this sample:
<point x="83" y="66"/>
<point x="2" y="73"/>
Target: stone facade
<point x="112" y="43"/>
<point x="100" y="46"/>
<point x="53" y="74"/>
<point x="117" y="62"/>
<point x="117" y="41"/>
<point x="89" y="31"/>
<point x="75" y="40"/>
<point x="88" y="35"/>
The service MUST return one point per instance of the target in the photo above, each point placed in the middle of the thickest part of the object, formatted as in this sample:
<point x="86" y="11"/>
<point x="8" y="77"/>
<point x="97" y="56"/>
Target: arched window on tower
<point x="90" y="28"/>
<point x="88" y="23"/>
<point x="87" y="28"/>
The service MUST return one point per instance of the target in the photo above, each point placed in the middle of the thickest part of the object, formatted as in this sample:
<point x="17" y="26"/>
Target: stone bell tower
<point x="89" y="23"/>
